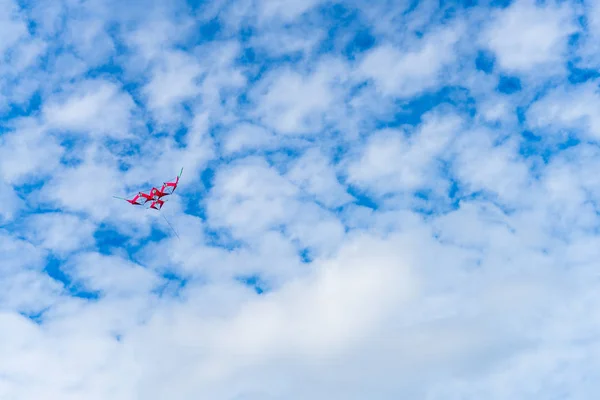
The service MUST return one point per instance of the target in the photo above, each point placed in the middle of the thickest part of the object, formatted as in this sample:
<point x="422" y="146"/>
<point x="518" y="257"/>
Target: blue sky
<point x="409" y="186"/>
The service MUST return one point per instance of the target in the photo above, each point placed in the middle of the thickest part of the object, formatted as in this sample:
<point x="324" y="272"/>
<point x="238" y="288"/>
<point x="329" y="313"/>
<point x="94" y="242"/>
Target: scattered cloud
<point x="531" y="38"/>
<point x="407" y="186"/>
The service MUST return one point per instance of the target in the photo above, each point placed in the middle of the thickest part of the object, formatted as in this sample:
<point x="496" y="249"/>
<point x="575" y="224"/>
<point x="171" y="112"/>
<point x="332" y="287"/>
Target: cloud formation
<point x="390" y="200"/>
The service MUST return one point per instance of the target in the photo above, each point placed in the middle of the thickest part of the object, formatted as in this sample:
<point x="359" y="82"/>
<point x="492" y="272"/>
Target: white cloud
<point x="465" y="301"/>
<point x="174" y="80"/>
<point x="251" y="197"/>
<point x="60" y="233"/>
<point x="481" y="164"/>
<point x="13" y="28"/>
<point x="23" y="287"/>
<point x="588" y="45"/>
<point x="530" y="38"/>
<point x="21" y="254"/>
<point x="572" y="108"/>
<point x="97" y="107"/>
<point x="314" y="173"/>
<point x="110" y="275"/>
<point x="28" y="151"/>
<point x="90" y="40"/>
<point x="11" y="202"/>
<point x="326" y="312"/>
<point x="247" y="137"/>
<point x="72" y="188"/>
<point x="281" y="42"/>
<point x="284" y="11"/>
<point x="291" y="103"/>
<point x="403" y="73"/>
<point x="223" y="79"/>
<point x="28" y="292"/>
<point x="151" y="32"/>
<point x="399" y="160"/>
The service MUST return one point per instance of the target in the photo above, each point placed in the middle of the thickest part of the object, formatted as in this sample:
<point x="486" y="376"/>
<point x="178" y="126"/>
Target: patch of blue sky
<point x="489" y="197"/>
<point x="306" y="256"/>
<point x="198" y="5"/>
<point x="192" y="196"/>
<point x="180" y="134"/>
<point x="210" y="30"/>
<point x="485" y="61"/>
<point x="339" y="20"/>
<point x="111" y="71"/>
<point x="362" y="41"/>
<point x="451" y="8"/>
<point x="173" y="285"/>
<point x="446" y="202"/>
<point x="28" y="186"/>
<point x="429" y="203"/>
<point x="545" y="147"/>
<point x="255" y="282"/>
<point x="580" y="75"/>
<point x="283" y="157"/>
<point x="28" y="107"/>
<point x="54" y="269"/>
<point x="126" y="150"/>
<point x="207" y="177"/>
<point x="412" y="7"/>
<point x="411" y="111"/>
<point x="508" y="84"/>
<point x="501" y="3"/>
<point x="160" y="230"/>
<point x="362" y="198"/>
<point x="345" y="22"/>
<point x="222" y="238"/>
<point x="74" y="145"/>
<point x="108" y="240"/>
<point x="194" y="204"/>
<point x="258" y="62"/>
<point x="28" y="8"/>
<point x="36" y="317"/>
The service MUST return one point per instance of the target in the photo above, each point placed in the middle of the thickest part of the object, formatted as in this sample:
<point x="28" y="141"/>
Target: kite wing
<point x="157" y="193"/>
<point x="169" y="187"/>
<point x="139" y="199"/>
<point x="157" y="204"/>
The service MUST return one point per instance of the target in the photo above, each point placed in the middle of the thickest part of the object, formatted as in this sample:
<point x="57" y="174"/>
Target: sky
<point x="380" y="200"/>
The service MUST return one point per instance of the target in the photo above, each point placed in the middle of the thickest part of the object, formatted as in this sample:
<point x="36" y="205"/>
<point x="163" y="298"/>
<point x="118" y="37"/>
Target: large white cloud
<point x="531" y="38"/>
<point x="567" y="109"/>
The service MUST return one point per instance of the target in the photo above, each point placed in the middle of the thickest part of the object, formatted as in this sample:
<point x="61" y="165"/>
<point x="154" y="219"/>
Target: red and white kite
<point x="154" y="198"/>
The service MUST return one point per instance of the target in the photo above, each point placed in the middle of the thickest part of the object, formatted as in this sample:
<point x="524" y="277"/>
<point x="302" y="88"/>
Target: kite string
<point x="167" y="221"/>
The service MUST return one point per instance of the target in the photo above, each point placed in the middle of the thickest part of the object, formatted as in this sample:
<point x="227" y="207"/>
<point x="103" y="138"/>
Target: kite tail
<point x="171" y="226"/>
<point x="180" y="172"/>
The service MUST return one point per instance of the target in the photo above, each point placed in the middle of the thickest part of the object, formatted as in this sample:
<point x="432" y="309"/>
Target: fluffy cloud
<point x="394" y="160"/>
<point x="409" y="71"/>
<point x="567" y="108"/>
<point x="60" y="233"/>
<point x="294" y="104"/>
<point x="531" y="38"/>
<point x="94" y="107"/>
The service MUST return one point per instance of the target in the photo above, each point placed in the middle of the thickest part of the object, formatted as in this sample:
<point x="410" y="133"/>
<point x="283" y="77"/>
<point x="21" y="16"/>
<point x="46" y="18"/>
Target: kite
<point x="155" y="197"/>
